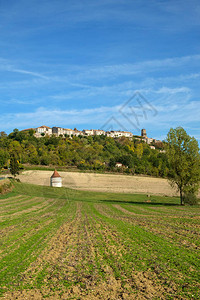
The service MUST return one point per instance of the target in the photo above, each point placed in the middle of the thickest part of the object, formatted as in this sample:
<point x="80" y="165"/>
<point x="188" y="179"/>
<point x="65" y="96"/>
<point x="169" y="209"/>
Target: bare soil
<point x="99" y="250"/>
<point x="71" y="255"/>
<point x="103" y="182"/>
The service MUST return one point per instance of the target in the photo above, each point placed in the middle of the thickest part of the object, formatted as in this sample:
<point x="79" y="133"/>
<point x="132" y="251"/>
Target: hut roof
<point x="55" y="174"/>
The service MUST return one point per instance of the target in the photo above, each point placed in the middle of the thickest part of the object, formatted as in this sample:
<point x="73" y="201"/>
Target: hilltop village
<point x="118" y="151"/>
<point x="59" y="131"/>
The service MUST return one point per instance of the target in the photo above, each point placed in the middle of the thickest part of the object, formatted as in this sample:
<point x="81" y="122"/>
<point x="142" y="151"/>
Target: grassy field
<point x="68" y="244"/>
<point x="115" y="183"/>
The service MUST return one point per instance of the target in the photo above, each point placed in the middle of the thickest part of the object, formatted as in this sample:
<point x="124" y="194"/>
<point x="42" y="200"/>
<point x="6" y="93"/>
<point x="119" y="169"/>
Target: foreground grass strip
<point x="24" y="251"/>
<point x="76" y="195"/>
<point x="83" y="245"/>
<point x="150" y="251"/>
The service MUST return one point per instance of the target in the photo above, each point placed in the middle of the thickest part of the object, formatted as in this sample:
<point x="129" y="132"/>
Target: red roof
<point x="43" y="126"/>
<point x="55" y="174"/>
<point x="28" y="129"/>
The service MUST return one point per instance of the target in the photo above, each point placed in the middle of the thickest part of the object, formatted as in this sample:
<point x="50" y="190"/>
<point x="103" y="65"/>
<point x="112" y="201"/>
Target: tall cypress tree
<point x="14" y="165"/>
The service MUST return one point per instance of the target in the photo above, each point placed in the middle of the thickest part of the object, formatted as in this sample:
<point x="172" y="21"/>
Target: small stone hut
<point x="56" y="179"/>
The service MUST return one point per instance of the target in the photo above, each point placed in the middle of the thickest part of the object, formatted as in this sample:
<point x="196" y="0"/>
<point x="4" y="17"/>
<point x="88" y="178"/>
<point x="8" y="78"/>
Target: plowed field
<point x="114" y="183"/>
<point x="58" y="248"/>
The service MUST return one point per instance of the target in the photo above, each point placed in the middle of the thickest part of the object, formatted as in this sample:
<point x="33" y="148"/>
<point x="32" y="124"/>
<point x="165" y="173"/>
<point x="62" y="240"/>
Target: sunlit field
<point x="68" y="244"/>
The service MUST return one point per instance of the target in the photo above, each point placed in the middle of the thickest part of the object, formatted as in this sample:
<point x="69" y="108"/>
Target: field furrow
<point x="90" y="248"/>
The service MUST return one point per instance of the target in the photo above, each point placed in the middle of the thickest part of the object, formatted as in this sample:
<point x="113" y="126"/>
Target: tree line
<point x="177" y="158"/>
<point x="84" y="152"/>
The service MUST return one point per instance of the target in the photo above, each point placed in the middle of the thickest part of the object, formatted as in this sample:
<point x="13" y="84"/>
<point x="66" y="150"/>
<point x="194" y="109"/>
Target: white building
<point x="110" y="134"/>
<point x="43" y="131"/>
<point x="68" y="131"/>
<point x="88" y="132"/>
<point x="56" y="179"/>
<point x="113" y="133"/>
<point x="77" y="132"/>
<point x="59" y="131"/>
<point x="99" y="132"/>
<point x="120" y="165"/>
<point x="152" y="147"/>
<point x="127" y="134"/>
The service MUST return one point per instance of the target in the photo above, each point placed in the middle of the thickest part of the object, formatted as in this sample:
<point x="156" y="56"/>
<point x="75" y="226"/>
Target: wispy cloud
<point x="5" y="65"/>
<point x="35" y="74"/>
<point x="76" y="75"/>
<point x="167" y="116"/>
<point x="144" y="67"/>
<point x="19" y="101"/>
<point x="168" y="90"/>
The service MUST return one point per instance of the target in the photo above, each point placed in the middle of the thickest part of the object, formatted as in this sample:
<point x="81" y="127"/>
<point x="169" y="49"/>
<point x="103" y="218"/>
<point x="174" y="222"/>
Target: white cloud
<point x="35" y="74"/>
<point x="167" y="90"/>
<point x="144" y="67"/>
<point x="5" y="65"/>
<point x="76" y="76"/>
<point x="167" y="116"/>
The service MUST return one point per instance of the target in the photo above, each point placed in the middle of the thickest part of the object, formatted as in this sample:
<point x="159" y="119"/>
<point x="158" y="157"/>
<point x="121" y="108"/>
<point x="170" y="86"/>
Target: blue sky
<point x="119" y="64"/>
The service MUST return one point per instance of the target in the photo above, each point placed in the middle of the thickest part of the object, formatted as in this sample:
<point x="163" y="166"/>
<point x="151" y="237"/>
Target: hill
<point x="99" y="153"/>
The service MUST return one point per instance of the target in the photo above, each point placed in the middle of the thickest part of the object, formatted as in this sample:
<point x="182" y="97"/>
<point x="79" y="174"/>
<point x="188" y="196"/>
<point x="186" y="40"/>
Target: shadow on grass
<point x="140" y="202"/>
<point x="91" y="196"/>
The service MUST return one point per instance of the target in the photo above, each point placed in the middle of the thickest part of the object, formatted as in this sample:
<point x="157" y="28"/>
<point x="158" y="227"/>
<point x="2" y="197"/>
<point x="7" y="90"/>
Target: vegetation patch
<point x="66" y="244"/>
<point x="5" y="186"/>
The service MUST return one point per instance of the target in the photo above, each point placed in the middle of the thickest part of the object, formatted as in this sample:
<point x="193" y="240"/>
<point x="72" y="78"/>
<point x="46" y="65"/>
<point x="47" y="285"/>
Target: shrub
<point x="190" y="198"/>
<point x="6" y="187"/>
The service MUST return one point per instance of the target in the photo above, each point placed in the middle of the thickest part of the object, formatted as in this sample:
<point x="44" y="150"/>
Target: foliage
<point x="14" y="165"/>
<point x="190" y="198"/>
<point x="99" y="153"/>
<point x="5" y="186"/>
<point x="184" y="161"/>
<point x="59" y="243"/>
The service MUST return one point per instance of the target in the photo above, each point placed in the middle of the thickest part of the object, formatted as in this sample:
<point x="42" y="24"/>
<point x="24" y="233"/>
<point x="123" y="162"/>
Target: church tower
<point x="143" y="133"/>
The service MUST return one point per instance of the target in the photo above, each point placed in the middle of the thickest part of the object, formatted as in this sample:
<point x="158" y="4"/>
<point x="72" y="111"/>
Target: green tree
<point x="3" y="157"/>
<point x="14" y="165"/>
<point x="139" y="150"/>
<point x="3" y="134"/>
<point x="184" y="161"/>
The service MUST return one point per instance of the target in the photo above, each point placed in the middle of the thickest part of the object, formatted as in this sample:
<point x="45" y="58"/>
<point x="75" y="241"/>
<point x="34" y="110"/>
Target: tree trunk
<point x="181" y="196"/>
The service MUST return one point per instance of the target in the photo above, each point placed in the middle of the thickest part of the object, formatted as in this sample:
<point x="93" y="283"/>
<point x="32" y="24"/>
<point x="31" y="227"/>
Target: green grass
<point x="67" y="243"/>
<point x="70" y="194"/>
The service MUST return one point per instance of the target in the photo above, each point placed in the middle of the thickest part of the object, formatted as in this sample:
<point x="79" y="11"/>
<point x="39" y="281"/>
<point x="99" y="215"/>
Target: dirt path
<point x="103" y="182"/>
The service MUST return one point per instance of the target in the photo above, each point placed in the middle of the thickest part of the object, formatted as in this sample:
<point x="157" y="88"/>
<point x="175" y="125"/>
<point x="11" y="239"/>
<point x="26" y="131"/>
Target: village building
<point x="43" y="131"/>
<point x="77" y="132"/>
<point x="127" y="134"/>
<point x="110" y="134"/>
<point x="144" y="133"/>
<point x="149" y="140"/>
<point x="28" y="129"/>
<point x="152" y="147"/>
<point x="88" y="132"/>
<point x="68" y="132"/>
<point x="99" y="132"/>
<point x="119" y="133"/>
<point x="56" y="180"/>
<point x="120" y="165"/>
<point x="59" y="131"/>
